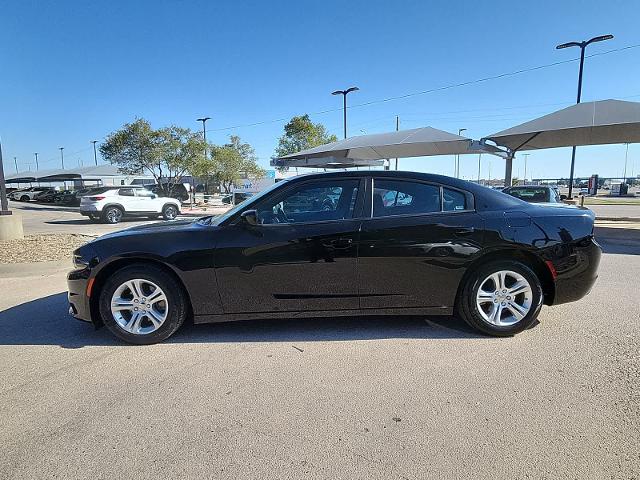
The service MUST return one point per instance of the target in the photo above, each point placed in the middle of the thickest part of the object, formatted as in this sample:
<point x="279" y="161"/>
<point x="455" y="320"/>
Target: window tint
<point x="126" y="192"/>
<point x="453" y="200"/>
<point x="312" y="202"/>
<point x="531" y="194"/>
<point x="400" y="197"/>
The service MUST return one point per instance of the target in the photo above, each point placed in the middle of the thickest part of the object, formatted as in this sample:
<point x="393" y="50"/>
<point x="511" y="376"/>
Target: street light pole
<point x="344" y="94"/>
<point x="62" y="156"/>
<point x="204" y="133"/>
<point x="457" y="161"/>
<point x="624" y="175"/>
<point x="15" y="161"/>
<point x="583" y="45"/>
<point x="525" y="155"/>
<point x="95" y="155"/>
<point x="479" y="160"/>
<point x="36" y="154"/>
<point x="397" y="128"/>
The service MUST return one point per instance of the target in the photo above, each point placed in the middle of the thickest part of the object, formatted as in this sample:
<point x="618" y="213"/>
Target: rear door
<point x="416" y="244"/>
<point x="301" y="256"/>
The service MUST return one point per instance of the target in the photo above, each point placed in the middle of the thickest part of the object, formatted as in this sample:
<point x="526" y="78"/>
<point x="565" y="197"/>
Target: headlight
<point x="79" y="261"/>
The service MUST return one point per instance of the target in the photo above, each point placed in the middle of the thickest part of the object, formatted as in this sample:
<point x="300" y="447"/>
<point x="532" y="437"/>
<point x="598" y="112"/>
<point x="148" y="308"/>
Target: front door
<point x="416" y="244"/>
<point x="301" y="256"/>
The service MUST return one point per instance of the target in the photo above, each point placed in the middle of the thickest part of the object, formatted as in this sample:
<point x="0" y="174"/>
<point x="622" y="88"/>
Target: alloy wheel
<point x="139" y="306"/>
<point x="504" y="298"/>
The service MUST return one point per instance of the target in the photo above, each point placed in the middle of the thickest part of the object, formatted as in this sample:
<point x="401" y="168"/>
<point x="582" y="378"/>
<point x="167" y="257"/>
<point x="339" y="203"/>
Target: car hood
<point x="155" y="228"/>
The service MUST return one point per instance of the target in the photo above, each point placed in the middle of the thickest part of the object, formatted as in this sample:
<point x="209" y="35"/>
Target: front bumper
<point x="577" y="271"/>
<point x="79" y="301"/>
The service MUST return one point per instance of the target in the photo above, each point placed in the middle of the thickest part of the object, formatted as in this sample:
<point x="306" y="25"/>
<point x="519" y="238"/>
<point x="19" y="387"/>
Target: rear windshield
<point x="530" y="194"/>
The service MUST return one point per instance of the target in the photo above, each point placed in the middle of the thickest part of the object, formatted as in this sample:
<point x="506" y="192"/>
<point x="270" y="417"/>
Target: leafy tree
<point x="301" y="133"/>
<point x="167" y="153"/>
<point x="230" y="162"/>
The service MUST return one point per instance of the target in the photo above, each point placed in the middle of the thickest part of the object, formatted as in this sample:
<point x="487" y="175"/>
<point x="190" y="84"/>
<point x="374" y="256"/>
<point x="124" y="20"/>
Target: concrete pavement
<point x="403" y="397"/>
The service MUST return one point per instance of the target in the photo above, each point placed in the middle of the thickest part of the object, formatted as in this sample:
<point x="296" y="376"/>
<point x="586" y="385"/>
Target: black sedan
<point x="391" y="243"/>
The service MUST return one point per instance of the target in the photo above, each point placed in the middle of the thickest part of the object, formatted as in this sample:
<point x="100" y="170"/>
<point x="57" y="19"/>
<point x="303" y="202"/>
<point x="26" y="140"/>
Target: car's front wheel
<point x="142" y="304"/>
<point x="501" y="298"/>
<point x="24" y="198"/>
<point x="169" y="212"/>
<point x="112" y="215"/>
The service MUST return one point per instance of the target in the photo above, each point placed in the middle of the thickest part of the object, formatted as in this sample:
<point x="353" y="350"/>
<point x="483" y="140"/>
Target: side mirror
<point x="250" y="217"/>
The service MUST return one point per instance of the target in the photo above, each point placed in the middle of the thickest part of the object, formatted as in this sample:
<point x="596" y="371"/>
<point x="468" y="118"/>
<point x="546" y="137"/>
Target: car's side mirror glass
<point x="250" y="217"/>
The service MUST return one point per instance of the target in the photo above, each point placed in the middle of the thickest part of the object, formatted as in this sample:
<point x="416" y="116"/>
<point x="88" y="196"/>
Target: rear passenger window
<point x="401" y="197"/>
<point x="126" y="192"/>
<point x="453" y="200"/>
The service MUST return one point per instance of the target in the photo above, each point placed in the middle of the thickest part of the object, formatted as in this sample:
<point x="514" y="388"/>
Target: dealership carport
<point x="591" y="123"/>
<point x="88" y="174"/>
<point x="373" y="150"/>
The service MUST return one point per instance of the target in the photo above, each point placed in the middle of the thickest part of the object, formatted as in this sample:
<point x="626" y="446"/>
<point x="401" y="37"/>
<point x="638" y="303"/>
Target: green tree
<point x="230" y="162"/>
<point x="301" y="133"/>
<point x="167" y="153"/>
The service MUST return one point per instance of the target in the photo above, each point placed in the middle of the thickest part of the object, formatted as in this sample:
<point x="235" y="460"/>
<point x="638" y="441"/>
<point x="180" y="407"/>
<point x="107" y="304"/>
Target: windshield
<point x="230" y="213"/>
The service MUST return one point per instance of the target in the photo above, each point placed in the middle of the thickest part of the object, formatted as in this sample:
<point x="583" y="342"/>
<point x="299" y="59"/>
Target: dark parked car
<point x="535" y="194"/>
<point x="177" y="191"/>
<point x="446" y="246"/>
<point x="65" y="197"/>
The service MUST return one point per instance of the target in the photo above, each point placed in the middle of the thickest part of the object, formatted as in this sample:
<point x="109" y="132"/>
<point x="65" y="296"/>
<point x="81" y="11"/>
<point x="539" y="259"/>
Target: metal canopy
<point x="373" y="149"/>
<point x="59" y="175"/>
<point x="591" y="123"/>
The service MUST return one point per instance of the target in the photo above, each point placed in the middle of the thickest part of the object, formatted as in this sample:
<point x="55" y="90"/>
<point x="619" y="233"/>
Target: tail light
<point x="95" y="199"/>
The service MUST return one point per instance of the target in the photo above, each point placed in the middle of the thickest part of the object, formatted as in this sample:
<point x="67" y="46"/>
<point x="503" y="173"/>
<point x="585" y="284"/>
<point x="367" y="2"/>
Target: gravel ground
<point x="41" y="248"/>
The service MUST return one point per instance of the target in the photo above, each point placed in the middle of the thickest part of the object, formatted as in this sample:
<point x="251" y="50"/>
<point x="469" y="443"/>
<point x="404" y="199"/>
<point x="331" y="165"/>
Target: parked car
<point x="29" y="193"/>
<point x="64" y="197"/>
<point x="46" y="196"/>
<point x="240" y="197"/>
<point x="535" y="194"/>
<point x="450" y="246"/>
<point x="177" y="191"/>
<point x="111" y="204"/>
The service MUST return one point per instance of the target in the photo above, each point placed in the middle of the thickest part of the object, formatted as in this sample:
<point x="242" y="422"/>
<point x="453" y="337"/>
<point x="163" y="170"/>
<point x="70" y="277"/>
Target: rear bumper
<point x="577" y="271"/>
<point x="79" y="305"/>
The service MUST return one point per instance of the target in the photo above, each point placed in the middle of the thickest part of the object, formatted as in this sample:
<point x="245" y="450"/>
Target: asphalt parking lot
<point x="397" y="397"/>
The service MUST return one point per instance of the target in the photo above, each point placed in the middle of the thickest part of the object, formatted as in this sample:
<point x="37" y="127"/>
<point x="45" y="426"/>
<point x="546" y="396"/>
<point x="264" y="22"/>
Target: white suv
<point x="111" y="204"/>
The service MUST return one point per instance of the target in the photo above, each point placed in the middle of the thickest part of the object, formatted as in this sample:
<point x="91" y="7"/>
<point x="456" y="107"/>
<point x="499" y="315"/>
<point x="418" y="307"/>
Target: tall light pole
<point x="479" y="161"/>
<point x="95" y="155"/>
<point x="62" y="156"/>
<point x="204" y="132"/>
<point x="457" y="165"/>
<point x="15" y="160"/>
<point x="344" y="94"/>
<point x="36" y="154"/>
<point x="624" y="175"/>
<point x="397" y="128"/>
<point x="583" y="45"/>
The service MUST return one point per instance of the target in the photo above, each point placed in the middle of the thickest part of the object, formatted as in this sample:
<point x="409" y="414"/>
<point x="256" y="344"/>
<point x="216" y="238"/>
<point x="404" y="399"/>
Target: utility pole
<point x="344" y="94"/>
<point x="36" y="154"/>
<point x="4" y="203"/>
<point x="15" y="161"/>
<point x="583" y="45"/>
<point x="95" y="155"/>
<point x="457" y="165"/>
<point x="397" y="129"/>
<point x="62" y="156"/>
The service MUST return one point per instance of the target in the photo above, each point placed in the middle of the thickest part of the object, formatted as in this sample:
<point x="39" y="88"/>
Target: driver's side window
<point x="311" y="202"/>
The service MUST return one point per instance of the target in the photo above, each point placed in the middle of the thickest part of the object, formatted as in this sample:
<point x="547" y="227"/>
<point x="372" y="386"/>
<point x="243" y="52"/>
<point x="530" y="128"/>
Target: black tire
<point x="467" y="308"/>
<point x="24" y="198"/>
<point x="170" y="212"/>
<point x="112" y="215"/>
<point x="94" y="218"/>
<point x="176" y="299"/>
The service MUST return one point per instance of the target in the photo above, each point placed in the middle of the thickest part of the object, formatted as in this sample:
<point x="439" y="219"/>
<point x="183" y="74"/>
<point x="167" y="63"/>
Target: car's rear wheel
<point x="169" y="212"/>
<point x="142" y="304"/>
<point x="501" y="298"/>
<point x="112" y="215"/>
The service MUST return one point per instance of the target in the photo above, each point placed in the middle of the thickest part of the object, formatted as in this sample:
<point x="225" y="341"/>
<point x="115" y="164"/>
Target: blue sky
<point x="71" y="72"/>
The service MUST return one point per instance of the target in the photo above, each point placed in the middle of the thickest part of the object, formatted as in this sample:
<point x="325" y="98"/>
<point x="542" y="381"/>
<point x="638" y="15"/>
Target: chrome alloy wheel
<point x="170" y="212"/>
<point x="114" y="215"/>
<point x="139" y="306"/>
<point x="504" y="298"/>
